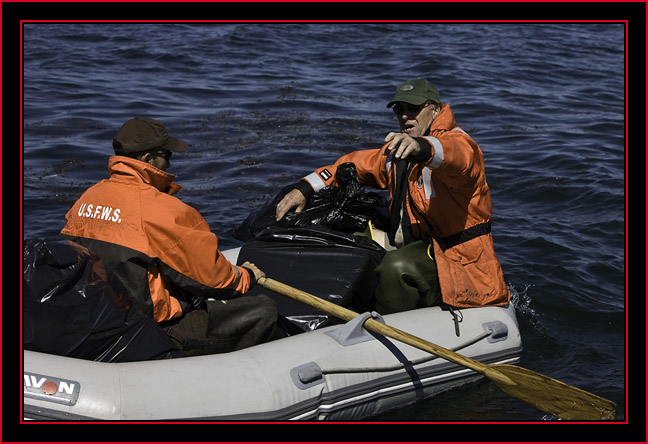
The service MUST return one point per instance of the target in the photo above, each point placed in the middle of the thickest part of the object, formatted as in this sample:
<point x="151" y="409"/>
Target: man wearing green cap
<point x="162" y="252"/>
<point x="440" y="248"/>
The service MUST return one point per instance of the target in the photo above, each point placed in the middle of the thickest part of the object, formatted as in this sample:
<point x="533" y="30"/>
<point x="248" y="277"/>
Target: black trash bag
<point x="332" y="265"/>
<point x="345" y="208"/>
<point x="69" y="309"/>
<point x="262" y="218"/>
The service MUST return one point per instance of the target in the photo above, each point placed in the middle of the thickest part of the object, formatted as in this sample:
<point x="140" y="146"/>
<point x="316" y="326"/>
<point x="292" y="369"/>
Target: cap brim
<point x="413" y="99"/>
<point x="175" y="145"/>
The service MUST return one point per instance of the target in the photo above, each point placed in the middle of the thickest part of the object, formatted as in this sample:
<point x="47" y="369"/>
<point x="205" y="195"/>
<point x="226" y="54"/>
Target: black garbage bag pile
<point x="345" y="208"/>
<point x="316" y="251"/>
<point x="335" y="266"/>
<point x="70" y="309"/>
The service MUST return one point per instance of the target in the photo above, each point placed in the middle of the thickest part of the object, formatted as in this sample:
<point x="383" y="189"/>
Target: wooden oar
<point x="542" y="392"/>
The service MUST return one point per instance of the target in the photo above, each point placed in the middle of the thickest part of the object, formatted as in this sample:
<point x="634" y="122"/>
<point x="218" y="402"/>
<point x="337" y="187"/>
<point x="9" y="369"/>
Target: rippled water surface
<point x="264" y="104"/>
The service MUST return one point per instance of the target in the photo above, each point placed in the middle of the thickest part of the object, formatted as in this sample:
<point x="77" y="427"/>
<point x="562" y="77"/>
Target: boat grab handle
<point x="310" y="374"/>
<point x="307" y="375"/>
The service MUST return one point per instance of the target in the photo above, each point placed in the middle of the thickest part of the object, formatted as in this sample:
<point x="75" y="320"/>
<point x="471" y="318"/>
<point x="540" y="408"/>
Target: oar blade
<point x="550" y="395"/>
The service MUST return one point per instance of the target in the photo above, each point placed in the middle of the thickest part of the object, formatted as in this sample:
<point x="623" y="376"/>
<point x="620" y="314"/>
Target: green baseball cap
<point x="416" y="92"/>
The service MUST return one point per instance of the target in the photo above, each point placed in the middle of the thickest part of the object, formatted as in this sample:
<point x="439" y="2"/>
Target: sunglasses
<point x="165" y="153"/>
<point x="407" y="108"/>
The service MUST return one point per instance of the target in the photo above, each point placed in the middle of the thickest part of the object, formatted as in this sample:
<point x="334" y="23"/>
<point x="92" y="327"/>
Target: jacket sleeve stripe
<point x="315" y="181"/>
<point x="437" y="159"/>
<point x="427" y="184"/>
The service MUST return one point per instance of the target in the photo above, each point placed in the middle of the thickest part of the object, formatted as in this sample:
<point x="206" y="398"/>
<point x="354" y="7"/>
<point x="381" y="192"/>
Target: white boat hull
<point x="263" y="382"/>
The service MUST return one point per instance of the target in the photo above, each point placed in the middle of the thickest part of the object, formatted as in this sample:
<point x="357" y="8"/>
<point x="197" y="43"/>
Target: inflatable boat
<point x="338" y="372"/>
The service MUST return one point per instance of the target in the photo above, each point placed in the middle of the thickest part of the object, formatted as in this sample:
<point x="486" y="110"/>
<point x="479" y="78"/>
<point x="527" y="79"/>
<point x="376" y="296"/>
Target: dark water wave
<point x="264" y="104"/>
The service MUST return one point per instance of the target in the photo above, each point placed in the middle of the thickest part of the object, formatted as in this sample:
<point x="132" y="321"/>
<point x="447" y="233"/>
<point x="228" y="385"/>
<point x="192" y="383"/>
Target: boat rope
<point x="457" y="318"/>
<point x="401" y="365"/>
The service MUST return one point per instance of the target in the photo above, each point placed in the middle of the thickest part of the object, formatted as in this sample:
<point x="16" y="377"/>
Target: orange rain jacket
<point x="160" y="250"/>
<point x="448" y="201"/>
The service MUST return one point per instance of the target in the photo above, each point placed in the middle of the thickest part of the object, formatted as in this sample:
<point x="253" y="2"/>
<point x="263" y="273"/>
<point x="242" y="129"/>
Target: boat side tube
<point x="304" y="377"/>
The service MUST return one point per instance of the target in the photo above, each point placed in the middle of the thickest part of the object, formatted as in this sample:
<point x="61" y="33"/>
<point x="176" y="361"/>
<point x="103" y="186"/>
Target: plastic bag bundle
<point x="344" y="208"/>
<point x="316" y="251"/>
<point x="70" y="309"/>
<point x="332" y="265"/>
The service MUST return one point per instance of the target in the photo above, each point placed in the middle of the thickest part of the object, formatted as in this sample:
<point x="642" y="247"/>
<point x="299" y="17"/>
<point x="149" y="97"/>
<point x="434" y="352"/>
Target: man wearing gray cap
<point x="161" y="251"/>
<point x="440" y="248"/>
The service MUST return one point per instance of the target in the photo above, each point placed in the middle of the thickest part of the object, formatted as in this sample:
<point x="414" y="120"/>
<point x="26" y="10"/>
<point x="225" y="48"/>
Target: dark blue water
<point x="264" y="104"/>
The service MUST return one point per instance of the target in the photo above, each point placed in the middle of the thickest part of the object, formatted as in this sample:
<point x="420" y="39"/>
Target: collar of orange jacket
<point x="445" y="121"/>
<point x="126" y="169"/>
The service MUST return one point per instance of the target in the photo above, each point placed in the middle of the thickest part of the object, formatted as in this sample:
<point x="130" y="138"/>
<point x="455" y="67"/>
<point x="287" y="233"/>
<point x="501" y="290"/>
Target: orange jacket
<point x="158" y="249"/>
<point x="447" y="194"/>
